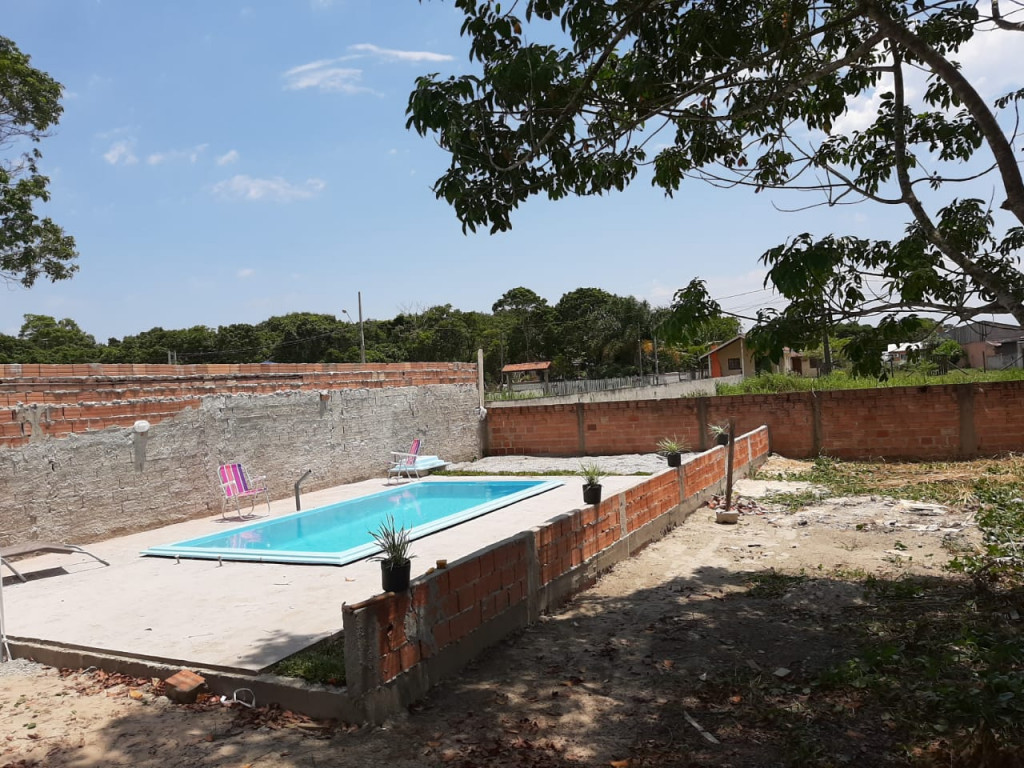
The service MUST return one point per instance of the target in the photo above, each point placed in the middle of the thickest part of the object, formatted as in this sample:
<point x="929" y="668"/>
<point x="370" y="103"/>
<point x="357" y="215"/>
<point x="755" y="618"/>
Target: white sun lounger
<point x="38" y="548"/>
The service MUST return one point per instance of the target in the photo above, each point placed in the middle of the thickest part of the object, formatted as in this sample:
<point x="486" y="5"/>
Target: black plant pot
<point x="592" y="494"/>
<point x="674" y="459"/>
<point x="394" y="577"/>
<point x="722" y="439"/>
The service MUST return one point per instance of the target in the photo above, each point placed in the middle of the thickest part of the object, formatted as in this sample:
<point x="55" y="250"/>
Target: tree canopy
<point x="29" y="106"/>
<point x="589" y="332"/>
<point x="752" y="93"/>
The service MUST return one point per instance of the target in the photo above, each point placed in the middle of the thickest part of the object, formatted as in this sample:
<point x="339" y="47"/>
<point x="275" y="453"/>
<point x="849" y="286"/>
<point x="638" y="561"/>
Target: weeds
<point x="771" y="584"/>
<point x="943" y="659"/>
<point x="772" y="383"/>
<point x="793" y="501"/>
<point x="946" y="665"/>
<point x="1000" y="561"/>
<point x="322" y="663"/>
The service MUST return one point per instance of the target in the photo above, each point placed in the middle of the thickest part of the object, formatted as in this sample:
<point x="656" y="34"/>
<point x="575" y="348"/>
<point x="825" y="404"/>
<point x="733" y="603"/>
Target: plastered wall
<point x="103" y="478"/>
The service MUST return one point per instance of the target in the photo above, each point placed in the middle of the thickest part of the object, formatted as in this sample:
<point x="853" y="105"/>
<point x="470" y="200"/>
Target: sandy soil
<point x="652" y="666"/>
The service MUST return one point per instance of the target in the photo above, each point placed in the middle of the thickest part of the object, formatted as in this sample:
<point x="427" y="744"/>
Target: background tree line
<point x="588" y="333"/>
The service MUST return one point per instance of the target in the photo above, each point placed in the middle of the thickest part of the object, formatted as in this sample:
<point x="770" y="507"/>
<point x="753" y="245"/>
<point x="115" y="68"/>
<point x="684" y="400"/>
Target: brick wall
<point x="398" y="645"/>
<point x="72" y="469"/>
<point x="925" y="423"/>
<point x="39" y="401"/>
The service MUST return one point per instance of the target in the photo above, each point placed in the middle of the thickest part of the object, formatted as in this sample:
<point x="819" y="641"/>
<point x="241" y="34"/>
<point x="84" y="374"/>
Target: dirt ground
<point x="660" y="663"/>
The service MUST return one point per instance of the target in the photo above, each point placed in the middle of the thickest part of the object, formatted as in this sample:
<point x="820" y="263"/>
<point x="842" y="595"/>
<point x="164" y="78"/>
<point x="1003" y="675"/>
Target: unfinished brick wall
<point x="398" y="645"/>
<point x="39" y="401"/>
<point x="917" y="423"/>
<point x="76" y="471"/>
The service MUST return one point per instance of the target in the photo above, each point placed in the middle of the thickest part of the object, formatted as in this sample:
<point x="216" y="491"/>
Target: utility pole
<point x="826" y="346"/>
<point x="640" y="359"/>
<point x="362" y="338"/>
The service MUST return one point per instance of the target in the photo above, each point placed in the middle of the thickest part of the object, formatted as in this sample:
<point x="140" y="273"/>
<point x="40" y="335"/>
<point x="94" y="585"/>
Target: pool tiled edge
<point x="200" y="548"/>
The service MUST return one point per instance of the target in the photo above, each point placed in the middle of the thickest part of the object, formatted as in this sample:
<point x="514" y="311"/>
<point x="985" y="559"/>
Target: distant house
<point x="735" y="358"/>
<point x="899" y="354"/>
<point x="798" y="363"/>
<point x="730" y="358"/>
<point x="989" y="345"/>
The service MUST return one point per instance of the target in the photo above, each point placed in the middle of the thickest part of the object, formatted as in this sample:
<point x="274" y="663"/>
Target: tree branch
<point x="982" y="277"/>
<point x="1001" y="149"/>
<point x="1003" y="23"/>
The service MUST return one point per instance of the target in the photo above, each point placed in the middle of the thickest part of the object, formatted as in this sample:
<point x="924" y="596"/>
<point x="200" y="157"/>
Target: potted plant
<point x="672" y="449"/>
<point x="395" y="566"/>
<point x="720" y="432"/>
<point x="591" y="474"/>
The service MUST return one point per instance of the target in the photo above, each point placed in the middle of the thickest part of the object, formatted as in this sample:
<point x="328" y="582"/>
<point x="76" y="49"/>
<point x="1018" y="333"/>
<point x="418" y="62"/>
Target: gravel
<point x="20" y="668"/>
<point x="625" y="464"/>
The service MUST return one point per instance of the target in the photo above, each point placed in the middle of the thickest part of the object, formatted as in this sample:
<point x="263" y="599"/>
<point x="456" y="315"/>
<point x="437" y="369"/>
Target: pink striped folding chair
<point x="237" y="485"/>
<point x="405" y="463"/>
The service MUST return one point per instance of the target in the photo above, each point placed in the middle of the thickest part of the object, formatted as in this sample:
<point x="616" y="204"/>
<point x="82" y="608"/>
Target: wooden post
<point x="728" y="465"/>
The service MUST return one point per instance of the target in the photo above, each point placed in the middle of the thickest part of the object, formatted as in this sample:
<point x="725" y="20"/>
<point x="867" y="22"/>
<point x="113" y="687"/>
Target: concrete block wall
<point x="915" y="423"/>
<point x="398" y="645"/>
<point x="38" y="401"/>
<point x="101" y="478"/>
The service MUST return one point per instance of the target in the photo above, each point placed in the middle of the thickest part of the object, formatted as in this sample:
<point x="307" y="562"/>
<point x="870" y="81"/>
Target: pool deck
<point x="232" y="616"/>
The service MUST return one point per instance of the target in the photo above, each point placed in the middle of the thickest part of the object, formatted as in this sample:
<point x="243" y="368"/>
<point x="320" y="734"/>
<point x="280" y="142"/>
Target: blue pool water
<point x="340" y="533"/>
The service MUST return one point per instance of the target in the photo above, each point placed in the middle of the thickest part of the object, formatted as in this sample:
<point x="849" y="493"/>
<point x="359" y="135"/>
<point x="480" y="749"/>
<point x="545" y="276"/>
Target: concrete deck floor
<point x="231" y="616"/>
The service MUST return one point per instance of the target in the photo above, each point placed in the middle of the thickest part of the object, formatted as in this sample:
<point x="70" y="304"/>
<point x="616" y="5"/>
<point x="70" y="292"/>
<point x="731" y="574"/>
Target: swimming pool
<point x="340" y="533"/>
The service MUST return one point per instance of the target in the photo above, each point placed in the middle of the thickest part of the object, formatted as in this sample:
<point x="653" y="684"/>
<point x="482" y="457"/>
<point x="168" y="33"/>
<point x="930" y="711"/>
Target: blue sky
<point x="224" y="162"/>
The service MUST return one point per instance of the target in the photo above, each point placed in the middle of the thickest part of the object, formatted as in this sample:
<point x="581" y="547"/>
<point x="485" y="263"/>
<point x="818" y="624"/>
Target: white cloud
<point x="228" y="157"/>
<point x="242" y="187"/>
<point x="244" y="273"/>
<point x="121" y="153"/>
<point x="113" y="133"/>
<point x="862" y="111"/>
<point x="396" y="55"/>
<point x="324" y="75"/>
<point x="993" y="62"/>
<point x="189" y="155"/>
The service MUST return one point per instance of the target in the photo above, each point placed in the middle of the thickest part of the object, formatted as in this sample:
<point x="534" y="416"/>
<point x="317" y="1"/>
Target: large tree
<point x="524" y="320"/>
<point x="48" y="340"/>
<point x="30" y="246"/>
<point x="752" y="93"/>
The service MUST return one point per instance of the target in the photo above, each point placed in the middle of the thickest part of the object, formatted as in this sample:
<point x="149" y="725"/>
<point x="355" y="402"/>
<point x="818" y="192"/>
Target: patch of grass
<point x="992" y="489"/>
<point x="794" y="500"/>
<point x="1000" y="517"/>
<point x="771" y="383"/>
<point x="950" y="483"/>
<point x="322" y="663"/>
<point x="902" y="588"/>
<point x="946" y="666"/>
<point x="771" y="584"/>
<point x="505" y="395"/>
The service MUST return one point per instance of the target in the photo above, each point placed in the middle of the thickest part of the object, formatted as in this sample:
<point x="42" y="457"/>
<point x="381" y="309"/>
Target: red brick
<point x="409" y="655"/>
